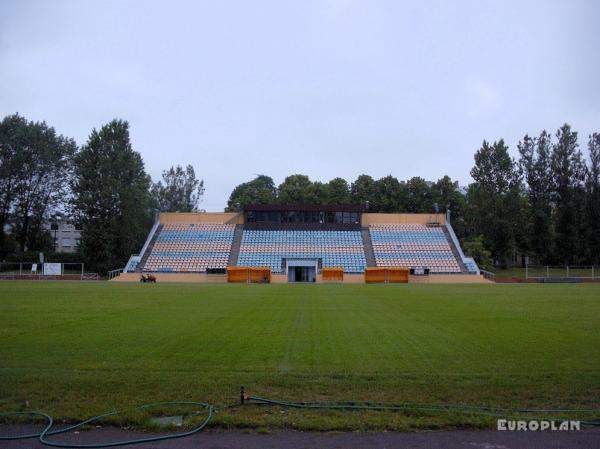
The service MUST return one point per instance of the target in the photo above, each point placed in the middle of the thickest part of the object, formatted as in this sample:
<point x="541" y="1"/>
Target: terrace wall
<point x="282" y="278"/>
<point x="201" y="217"/>
<point x="370" y="219"/>
<point x="174" y="277"/>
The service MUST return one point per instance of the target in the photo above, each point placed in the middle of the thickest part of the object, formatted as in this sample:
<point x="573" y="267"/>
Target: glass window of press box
<point x="253" y="216"/>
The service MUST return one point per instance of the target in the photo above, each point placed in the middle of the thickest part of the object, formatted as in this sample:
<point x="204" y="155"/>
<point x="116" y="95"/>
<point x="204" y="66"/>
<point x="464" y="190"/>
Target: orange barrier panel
<point x="249" y="274"/>
<point x="259" y="274"/>
<point x="386" y="275"/>
<point x="397" y="275"/>
<point x="237" y="274"/>
<point x="333" y="274"/>
<point x="373" y="275"/>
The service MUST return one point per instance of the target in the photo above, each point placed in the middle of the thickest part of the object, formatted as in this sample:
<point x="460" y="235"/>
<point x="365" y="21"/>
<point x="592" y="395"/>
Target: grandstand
<point x="333" y="248"/>
<point x="296" y="242"/>
<point x="191" y="247"/>
<point x="413" y="245"/>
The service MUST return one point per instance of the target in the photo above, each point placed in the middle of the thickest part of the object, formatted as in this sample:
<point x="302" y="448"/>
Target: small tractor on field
<point x="148" y="278"/>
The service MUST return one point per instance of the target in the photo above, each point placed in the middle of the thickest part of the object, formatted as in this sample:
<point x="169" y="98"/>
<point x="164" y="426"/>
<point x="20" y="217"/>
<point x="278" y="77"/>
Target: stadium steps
<point x="368" y="245"/>
<point x="235" y="245"/>
<point x="455" y="252"/>
<point x="146" y="254"/>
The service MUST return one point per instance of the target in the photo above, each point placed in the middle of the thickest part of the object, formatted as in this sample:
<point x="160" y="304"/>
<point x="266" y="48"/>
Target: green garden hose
<point x="48" y="419"/>
<point x="368" y="405"/>
<point x="404" y="406"/>
<point x="44" y="434"/>
<point x="330" y="405"/>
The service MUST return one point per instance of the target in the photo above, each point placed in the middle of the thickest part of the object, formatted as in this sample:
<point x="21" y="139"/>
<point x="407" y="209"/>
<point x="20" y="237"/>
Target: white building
<point x="66" y="237"/>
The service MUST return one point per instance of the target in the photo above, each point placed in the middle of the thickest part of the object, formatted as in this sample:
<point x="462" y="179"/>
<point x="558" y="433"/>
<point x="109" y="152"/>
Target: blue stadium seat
<point x="412" y="245"/>
<point x="335" y="248"/>
<point x="191" y="247"/>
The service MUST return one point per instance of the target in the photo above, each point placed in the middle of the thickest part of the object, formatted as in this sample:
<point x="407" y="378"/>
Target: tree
<point x="363" y="190"/>
<point x="181" y="191"/>
<point x="13" y="137"/>
<point x="535" y="166"/>
<point x="318" y="193"/>
<point x="111" y="197"/>
<point x="419" y="196"/>
<point x="390" y="195"/>
<point x="495" y="206"/>
<point x="475" y="248"/>
<point x="447" y="195"/>
<point x="593" y="198"/>
<point x="337" y="191"/>
<point x="34" y="172"/>
<point x="296" y="189"/>
<point x="568" y="173"/>
<point x="261" y="190"/>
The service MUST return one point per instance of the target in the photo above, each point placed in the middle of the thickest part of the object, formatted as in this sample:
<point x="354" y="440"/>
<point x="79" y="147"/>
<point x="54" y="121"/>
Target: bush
<point x="475" y="248"/>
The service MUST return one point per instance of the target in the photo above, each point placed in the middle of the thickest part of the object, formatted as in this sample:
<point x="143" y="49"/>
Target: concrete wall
<point x="354" y="278"/>
<point x="282" y="278"/>
<point x="279" y="279"/>
<point x="369" y="219"/>
<point x="174" y="277"/>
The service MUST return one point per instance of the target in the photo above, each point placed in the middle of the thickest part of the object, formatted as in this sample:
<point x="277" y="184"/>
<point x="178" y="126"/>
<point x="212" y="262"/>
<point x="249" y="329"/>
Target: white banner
<point x="52" y="269"/>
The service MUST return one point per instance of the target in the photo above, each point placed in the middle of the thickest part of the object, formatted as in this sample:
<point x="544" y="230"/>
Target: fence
<point x="564" y="271"/>
<point x="488" y="275"/>
<point x="48" y="270"/>
<point x="114" y="273"/>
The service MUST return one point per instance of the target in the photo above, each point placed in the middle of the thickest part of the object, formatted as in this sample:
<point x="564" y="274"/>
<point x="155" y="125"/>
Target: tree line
<point x="101" y="186"/>
<point x="544" y="204"/>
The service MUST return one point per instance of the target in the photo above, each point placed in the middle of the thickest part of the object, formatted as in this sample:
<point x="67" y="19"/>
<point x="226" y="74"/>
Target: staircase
<point x="149" y="248"/>
<point x="235" y="245"/>
<point x="455" y="251"/>
<point x="368" y="245"/>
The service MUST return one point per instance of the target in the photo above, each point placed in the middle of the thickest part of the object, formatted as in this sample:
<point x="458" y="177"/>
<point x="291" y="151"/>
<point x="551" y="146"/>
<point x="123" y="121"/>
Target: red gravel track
<point x="460" y="439"/>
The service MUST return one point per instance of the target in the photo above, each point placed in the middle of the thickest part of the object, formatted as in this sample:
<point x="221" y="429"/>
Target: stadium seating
<point x="261" y="248"/>
<point x="191" y="247"/>
<point x="471" y="265"/>
<point x="412" y="245"/>
<point x="195" y="247"/>
<point x="132" y="263"/>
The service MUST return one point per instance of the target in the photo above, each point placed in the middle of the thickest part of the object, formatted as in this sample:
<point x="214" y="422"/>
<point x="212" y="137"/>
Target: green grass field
<point x="78" y="349"/>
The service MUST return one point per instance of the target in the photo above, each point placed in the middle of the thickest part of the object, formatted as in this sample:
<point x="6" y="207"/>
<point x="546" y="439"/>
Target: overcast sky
<point x="323" y="88"/>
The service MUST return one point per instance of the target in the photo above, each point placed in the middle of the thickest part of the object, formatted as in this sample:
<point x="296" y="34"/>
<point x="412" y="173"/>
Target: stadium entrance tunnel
<point x="302" y="270"/>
